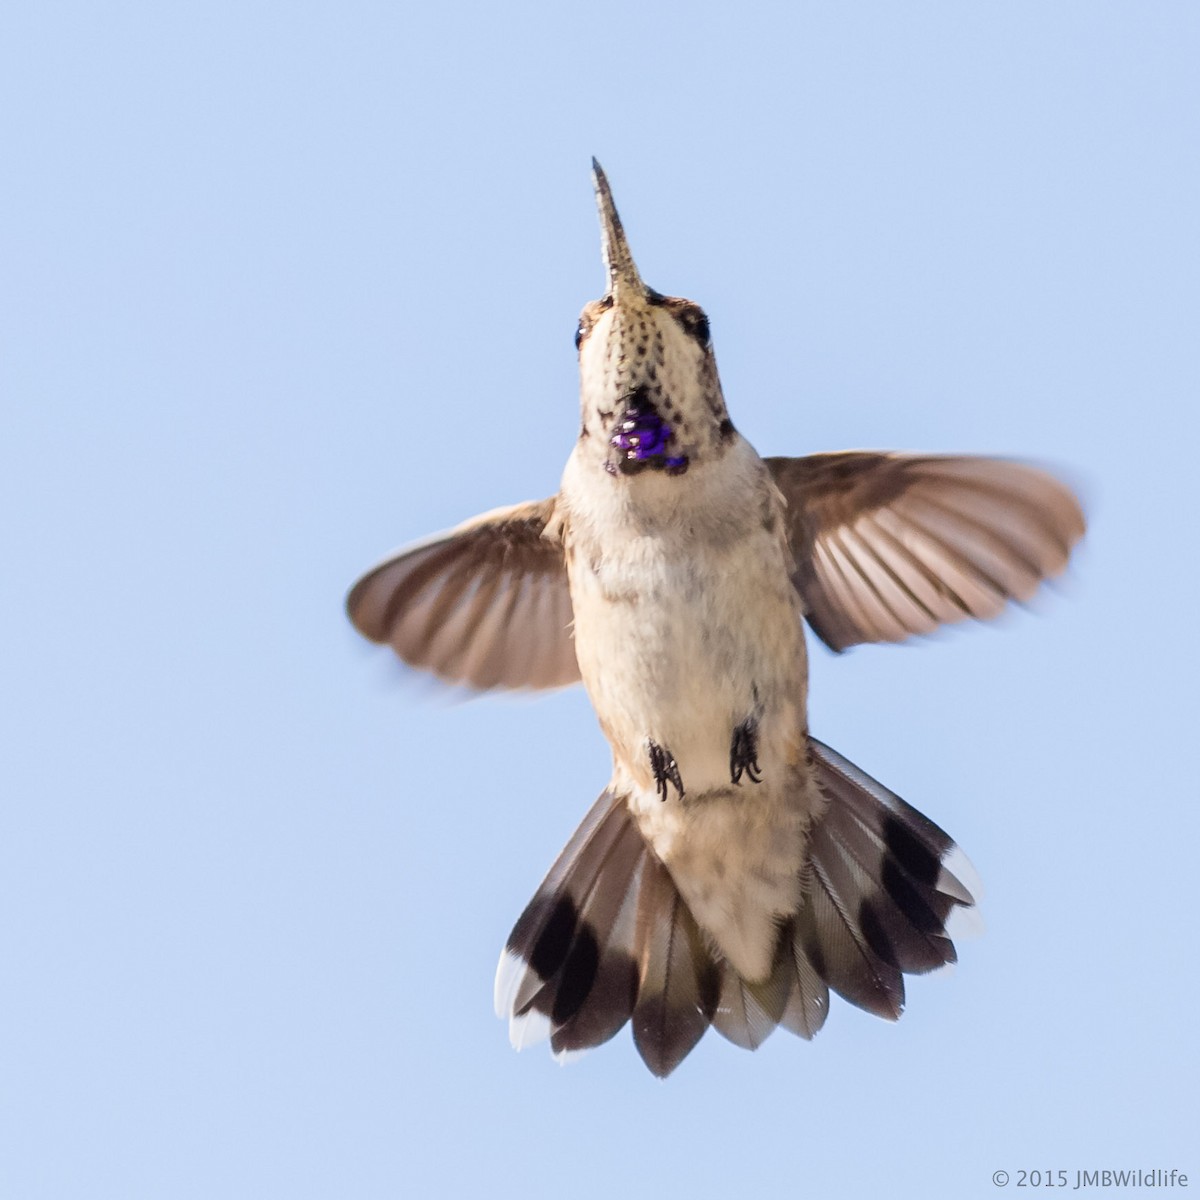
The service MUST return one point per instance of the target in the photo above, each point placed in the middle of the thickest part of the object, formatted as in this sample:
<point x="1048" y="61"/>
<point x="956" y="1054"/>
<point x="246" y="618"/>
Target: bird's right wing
<point x="890" y="545"/>
<point x="486" y="604"/>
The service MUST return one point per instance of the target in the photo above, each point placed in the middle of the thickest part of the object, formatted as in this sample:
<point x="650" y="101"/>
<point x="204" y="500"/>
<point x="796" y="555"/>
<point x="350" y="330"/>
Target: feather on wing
<point x="891" y="545"/>
<point x="486" y="604"/>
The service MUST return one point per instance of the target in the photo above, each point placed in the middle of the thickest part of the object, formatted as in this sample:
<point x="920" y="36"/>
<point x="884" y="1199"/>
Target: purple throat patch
<point x="641" y="438"/>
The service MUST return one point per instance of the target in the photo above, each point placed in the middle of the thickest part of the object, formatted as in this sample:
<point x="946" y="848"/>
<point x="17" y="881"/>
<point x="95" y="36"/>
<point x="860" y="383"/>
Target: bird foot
<point x="665" y="769"/>
<point x="743" y="753"/>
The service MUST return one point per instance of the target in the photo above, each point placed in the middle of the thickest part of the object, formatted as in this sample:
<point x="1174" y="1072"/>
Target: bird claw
<point x="665" y="769"/>
<point x="743" y="753"/>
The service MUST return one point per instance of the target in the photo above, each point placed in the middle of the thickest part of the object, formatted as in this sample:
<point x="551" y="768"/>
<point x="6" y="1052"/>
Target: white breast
<point x="686" y="621"/>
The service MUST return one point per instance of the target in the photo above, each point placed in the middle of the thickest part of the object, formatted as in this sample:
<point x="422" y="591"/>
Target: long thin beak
<point x="623" y="277"/>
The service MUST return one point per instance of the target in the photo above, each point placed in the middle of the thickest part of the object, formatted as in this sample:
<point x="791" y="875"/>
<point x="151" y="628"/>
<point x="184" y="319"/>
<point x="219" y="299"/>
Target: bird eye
<point x="579" y="332"/>
<point x="696" y="324"/>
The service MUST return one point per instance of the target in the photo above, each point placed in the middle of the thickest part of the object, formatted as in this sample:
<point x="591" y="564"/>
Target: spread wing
<point x="486" y="604"/>
<point x="889" y="545"/>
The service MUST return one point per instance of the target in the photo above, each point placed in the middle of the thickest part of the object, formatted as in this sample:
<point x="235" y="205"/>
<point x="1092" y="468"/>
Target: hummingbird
<point x="735" y="870"/>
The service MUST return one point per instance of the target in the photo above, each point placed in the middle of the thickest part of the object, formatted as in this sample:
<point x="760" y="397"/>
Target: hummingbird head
<point x="649" y="390"/>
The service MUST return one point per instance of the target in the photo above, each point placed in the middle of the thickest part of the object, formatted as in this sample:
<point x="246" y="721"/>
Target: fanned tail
<point x="881" y="888"/>
<point x="608" y="938"/>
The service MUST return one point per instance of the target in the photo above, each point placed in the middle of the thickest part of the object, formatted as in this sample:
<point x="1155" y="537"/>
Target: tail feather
<point x="903" y="924"/>
<point x="562" y="995"/>
<point x="596" y="988"/>
<point x="539" y="938"/>
<point x="553" y="958"/>
<point x="906" y="891"/>
<point x="808" y="1002"/>
<point x="608" y="939"/>
<point x="910" y="840"/>
<point x="679" y="980"/>
<point x="845" y="957"/>
<point x="748" y="1013"/>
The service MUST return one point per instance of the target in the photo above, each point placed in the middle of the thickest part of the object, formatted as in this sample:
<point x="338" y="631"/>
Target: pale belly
<point x="681" y="648"/>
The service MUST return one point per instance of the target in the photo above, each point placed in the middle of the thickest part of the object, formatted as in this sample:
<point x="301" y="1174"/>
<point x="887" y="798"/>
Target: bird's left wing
<point x="890" y="545"/>
<point x="486" y="604"/>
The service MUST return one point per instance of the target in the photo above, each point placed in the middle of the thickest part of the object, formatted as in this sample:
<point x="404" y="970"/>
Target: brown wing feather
<point x="891" y="545"/>
<point x="486" y="604"/>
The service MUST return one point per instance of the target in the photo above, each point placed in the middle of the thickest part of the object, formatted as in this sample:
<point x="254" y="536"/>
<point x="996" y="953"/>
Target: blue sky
<point x="287" y="286"/>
